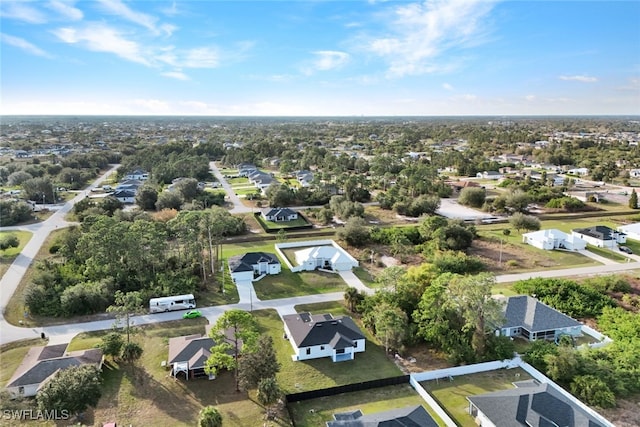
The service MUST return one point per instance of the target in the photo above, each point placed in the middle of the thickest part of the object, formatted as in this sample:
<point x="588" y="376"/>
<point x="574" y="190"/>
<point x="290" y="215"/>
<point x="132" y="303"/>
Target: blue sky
<point x="320" y="58"/>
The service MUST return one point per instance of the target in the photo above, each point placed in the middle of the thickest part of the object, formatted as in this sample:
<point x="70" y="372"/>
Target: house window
<point x="308" y="351"/>
<point x="355" y="344"/>
<point x="340" y="351"/>
<point x="21" y="390"/>
<point x="321" y="347"/>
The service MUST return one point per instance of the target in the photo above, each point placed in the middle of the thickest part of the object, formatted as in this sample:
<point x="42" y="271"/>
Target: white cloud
<point x="447" y="86"/>
<point x="117" y="7"/>
<point x="99" y="37"/>
<point x="420" y="33"/>
<point x="580" y="78"/>
<point x="23" y="44"/>
<point x="66" y="9"/>
<point x="201" y="57"/>
<point x="178" y="75"/>
<point x="326" y="60"/>
<point x="22" y="12"/>
<point x="530" y="98"/>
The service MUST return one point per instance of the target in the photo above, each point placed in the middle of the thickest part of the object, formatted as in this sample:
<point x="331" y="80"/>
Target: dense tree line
<point x="124" y="253"/>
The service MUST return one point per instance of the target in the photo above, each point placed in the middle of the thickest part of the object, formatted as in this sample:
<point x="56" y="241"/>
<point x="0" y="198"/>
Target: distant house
<point x="411" y="416"/>
<point x="280" y="214"/>
<point x="253" y="264"/>
<point x="137" y="174"/>
<point x="632" y="231"/>
<point x="304" y="177"/>
<point x="325" y="257"/>
<point x="554" y="239"/>
<point x="322" y="335"/>
<point x="244" y="169"/>
<point x="600" y="236"/>
<point x="578" y="171"/>
<point x="41" y="363"/>
<point x="529" y="404"/>
<point x="129" y="184"/>
<point x="125" y="196"/>
<point x="532" y="320"/>
<point x="489" y="175"/>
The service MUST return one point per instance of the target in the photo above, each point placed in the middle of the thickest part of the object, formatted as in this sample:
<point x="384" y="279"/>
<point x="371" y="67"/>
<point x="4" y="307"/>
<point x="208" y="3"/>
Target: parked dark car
<point x="625" y="249"/>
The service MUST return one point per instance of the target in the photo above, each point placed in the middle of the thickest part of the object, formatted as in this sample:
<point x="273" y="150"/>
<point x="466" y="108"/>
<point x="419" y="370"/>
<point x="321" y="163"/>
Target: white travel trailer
<point x="178" y="302"/>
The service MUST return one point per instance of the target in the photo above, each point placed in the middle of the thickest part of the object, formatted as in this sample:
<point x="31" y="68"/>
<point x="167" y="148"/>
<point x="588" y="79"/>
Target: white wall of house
<point x="28" y="390"/>
<point x="601" y="243"/>
<point x="483" y="421"/>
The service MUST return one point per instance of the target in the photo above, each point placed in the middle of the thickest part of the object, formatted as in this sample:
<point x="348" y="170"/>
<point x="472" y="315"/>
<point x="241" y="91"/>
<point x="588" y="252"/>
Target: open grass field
<point x="452" y="395"/>
<point x="244" y="191"/>
<point x="9" y="255"/>
<point x="322" y="373"/>
<point x="288" y="284"/>
<point x="316" y="412"/>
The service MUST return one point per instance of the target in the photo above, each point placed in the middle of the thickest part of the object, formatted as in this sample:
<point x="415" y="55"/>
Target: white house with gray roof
<point x="322" y="335"/>
<point x="530" y="403"/>
<point x="41" y="363"/>
<point x="251" y="265"/>
<point x="532" y="320"/>
<point x="600" y="236"/>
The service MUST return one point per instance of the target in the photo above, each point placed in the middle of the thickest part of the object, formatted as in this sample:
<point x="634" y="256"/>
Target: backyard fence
<point x="347" y="388"/>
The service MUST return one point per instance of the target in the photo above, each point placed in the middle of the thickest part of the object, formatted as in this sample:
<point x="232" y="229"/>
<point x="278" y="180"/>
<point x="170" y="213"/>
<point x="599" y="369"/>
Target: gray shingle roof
<point x="601" y="232"/>
<point x="321" y="329"/>
<point x="539" y="406"/>
<point x="246" y="262"/>
<point x="191" y="348"/>
<point x="525" y="311"/>
<point x="38" y="365"/>
<point x="411" y="416"/>
<point x="280" y="212"/>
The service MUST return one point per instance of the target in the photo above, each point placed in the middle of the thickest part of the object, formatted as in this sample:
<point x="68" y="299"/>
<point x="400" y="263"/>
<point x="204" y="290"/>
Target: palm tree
<point x="351" y="297"/>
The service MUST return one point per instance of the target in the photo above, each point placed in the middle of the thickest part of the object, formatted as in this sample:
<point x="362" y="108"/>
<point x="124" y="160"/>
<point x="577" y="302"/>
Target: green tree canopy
<point x="73" y="389"/>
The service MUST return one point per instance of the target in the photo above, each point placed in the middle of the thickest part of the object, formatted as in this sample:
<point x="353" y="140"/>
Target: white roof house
<point x="551" y="239"/>
<point x="631" y="230"/>
<point x="326" y="257"/>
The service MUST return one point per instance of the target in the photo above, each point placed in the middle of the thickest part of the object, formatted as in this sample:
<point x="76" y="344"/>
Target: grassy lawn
<point x="452" y="396"/>
<point x="288" y="284"/>
<point x="365" y="276"/>
<point x="228" y="171"/>
<point x="606" y="253"/>
<point x="246" y="191"/>
<point x="239" y="181"/>
<point x="322" y="373"/>
<point x="282" y="225"/>
<point x="12" y="354"/>
<point x="9" y="255"/>
<point x="145" y="394"/>
<point x="316" y="412"/>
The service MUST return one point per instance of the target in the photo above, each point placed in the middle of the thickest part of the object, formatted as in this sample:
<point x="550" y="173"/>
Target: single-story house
<point x="129" y="184"/>
<point x="41" y="363"/>
<point x="325" y="257"/>
<point x="600" y="236"/>
<point x="304" y="177"/>
<point x="137" y="174"/>
<point x="411" y="416"/>
<point x="529" y="404"/>
<point x="554" y="239"/>
<point x="125" y="196"/>
<point x="280" y="214"/>
<point x="244" y="169"/>
<point x="322" y="335"/>
<point x="632" y="231"/>
<point x="253" y="264"/>
<point x="489" y="175"/>
<point x="189" y="354"/>
<point x="579" y="171"/>
<point x="533" y="320"/>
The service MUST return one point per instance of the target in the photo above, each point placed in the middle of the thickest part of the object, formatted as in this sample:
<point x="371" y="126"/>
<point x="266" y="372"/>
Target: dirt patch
<point x="505" y="257"/>
<point x="627" y="413"/>
<point x="419" y="359"/>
